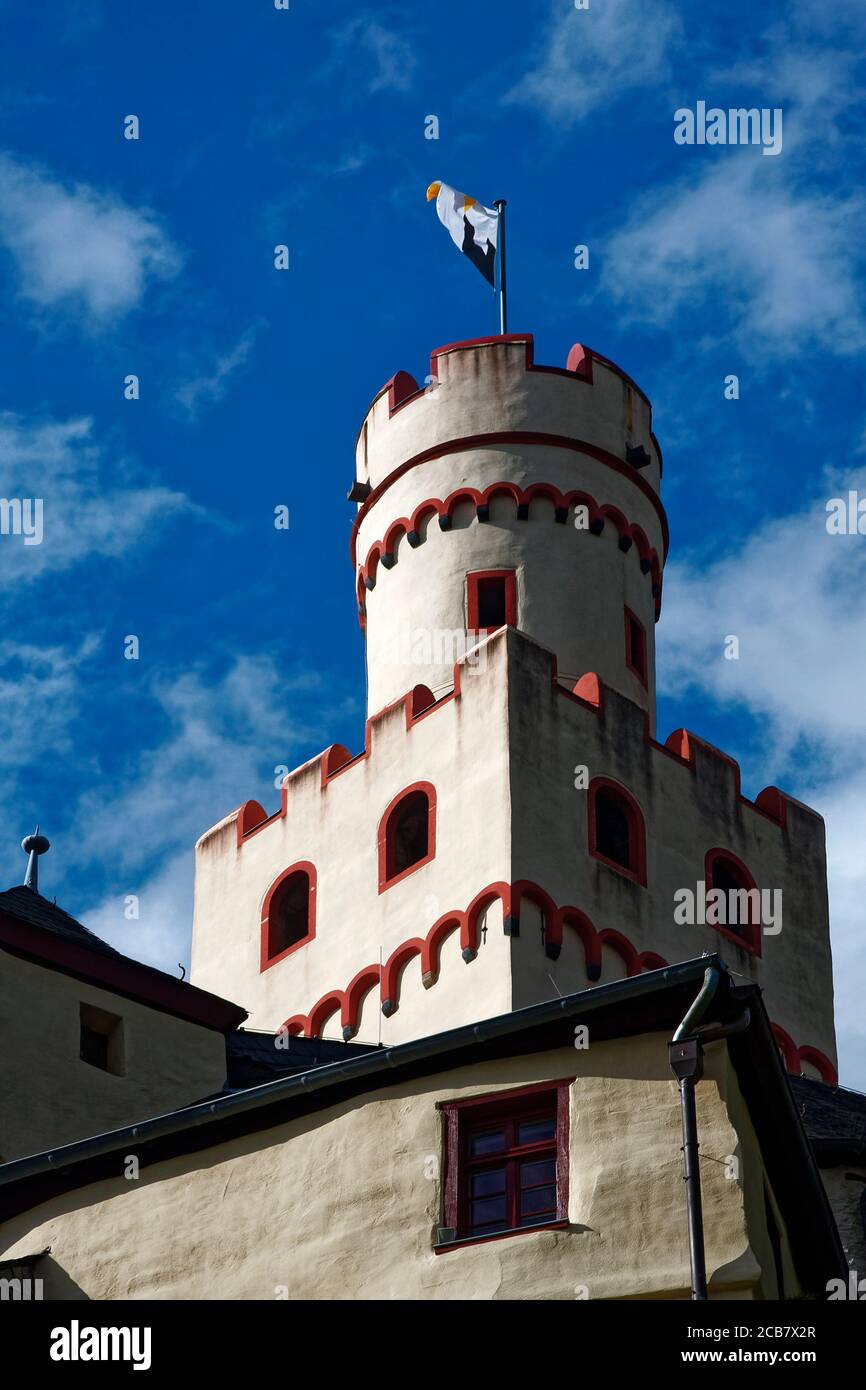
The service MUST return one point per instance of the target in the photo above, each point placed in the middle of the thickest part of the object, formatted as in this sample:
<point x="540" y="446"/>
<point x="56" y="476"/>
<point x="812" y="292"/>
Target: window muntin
<point x="507" y="1162"/>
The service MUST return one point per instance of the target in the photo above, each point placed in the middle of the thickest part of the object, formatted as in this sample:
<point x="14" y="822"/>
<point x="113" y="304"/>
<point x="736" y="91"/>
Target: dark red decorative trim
<point x="494" y="439"/>
<point x="793" y="1056"/>
<point x="266" y="960"/>
<point x="386" y="878"/>
<point x="752" y="941"/>
<point x="472" y="598"/>
<point x="589" y="692"/>
<point x="500" y="1105"/>
<point x="119" y="975"/>
<point x="350" y="1001"/>
<point x="641" y="670"/>
<point x="385" y="551"/>
<point x="637" y="829"/>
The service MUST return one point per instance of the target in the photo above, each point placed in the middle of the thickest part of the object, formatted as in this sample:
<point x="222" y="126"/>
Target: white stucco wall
<point x="344" y="1204"/>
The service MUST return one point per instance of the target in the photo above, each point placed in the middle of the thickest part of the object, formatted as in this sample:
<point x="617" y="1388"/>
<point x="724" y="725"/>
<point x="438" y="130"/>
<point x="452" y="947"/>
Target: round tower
<point x="504" y="492"/>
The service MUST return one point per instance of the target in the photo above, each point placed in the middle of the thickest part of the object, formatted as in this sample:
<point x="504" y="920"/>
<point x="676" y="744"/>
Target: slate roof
<point x="254" y="1058"/>
<point x="29" y="906"/>
<point x="834" y="1119"/>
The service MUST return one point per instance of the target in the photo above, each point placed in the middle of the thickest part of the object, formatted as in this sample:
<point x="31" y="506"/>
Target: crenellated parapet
<point x="542" y="481"/>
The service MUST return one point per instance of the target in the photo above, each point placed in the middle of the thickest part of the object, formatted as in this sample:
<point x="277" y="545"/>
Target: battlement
<point x="489" y="389"/>
<point x="718" y="771"/>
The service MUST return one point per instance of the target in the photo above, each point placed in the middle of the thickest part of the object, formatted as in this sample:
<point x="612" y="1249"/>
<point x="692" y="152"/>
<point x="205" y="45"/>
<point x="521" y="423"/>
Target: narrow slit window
<point x="635" y="646"/>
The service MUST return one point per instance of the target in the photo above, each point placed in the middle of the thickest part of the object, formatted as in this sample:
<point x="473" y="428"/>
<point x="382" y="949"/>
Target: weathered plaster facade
<point x="345" y="1204"/>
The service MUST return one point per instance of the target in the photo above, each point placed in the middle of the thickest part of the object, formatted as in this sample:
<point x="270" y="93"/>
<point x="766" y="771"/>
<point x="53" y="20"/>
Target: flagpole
<point x="503" y="302"/>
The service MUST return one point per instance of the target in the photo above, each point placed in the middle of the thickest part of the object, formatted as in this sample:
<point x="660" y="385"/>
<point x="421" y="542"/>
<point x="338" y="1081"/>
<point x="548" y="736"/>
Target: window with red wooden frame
<point x="491" y="600"/>
<point x="617" y="834"/>
<point x="724" y="870"/>
<point x="506" y="1165"/>
<point x="635" y="646"/>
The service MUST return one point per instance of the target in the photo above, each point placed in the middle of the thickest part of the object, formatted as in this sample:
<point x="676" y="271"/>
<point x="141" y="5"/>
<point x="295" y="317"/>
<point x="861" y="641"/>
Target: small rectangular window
<point x="506" y="1164"/>
<point x="491" y="600"/>
<point x="101" y="1039"/>
<point x="635" y="646"/>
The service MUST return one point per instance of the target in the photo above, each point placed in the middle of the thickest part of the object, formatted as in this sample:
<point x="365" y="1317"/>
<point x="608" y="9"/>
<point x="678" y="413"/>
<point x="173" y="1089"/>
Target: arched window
<point x="740" y="917"/>
<point x="288" y="913"/>
<point x="616" y="829"/>
<point x="407" y="834"/>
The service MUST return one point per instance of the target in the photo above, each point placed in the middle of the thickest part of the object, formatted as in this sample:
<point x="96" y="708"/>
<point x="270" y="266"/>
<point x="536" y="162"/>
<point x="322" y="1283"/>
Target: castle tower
<point x="493" y="443"/>
<point x="512" y="827"/>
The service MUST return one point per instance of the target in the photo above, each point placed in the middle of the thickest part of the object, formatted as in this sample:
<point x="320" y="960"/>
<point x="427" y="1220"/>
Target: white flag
<point x="472" y="226"/>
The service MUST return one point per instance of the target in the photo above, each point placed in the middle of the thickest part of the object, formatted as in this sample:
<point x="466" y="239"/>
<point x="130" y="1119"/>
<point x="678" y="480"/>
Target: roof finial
<point x="34" y="845"/>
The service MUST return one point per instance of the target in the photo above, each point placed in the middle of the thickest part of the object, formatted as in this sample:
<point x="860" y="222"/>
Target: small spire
<point x="34" y="845"/>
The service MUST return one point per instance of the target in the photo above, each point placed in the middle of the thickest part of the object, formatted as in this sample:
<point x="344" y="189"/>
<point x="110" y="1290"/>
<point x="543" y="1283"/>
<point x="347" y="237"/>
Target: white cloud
<point x="779" y="264"/>
<point x="224" y="736"/>
<point x="82" y="514"/>
<point x="210" y="387"/>
<point x="383" y="58"/>
<point x="774" y="244"/>
<point x="39" y="690"/>
<point x="78" y="249"/>
<point x="160" y="935"/>
<point x="796" y="599"/>
<point x="590" y="58"/>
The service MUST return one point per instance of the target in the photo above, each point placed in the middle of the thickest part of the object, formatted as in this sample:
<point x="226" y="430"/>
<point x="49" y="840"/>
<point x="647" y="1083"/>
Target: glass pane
<point x="537" y="1199"/>
<point x="488" y="1184"/>
<point x="490" y="1143"/>
<point x="532" y="1174"/>
<point x="533" y="1131"/>
<point x="537" y="1220"/>
<point x="490" y="1210"/>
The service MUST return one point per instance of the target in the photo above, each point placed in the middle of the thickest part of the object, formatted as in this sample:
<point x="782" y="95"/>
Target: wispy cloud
<point x="210" y="387"/>
<point x="225" y="735"/>
<point x="381" y="58"/>
<point x="590" y="58"/>
<point x="77" y="249"/>
<point x="775" y="245"/>
<point x="83" y="514"/>
<point x="776" y="261"/>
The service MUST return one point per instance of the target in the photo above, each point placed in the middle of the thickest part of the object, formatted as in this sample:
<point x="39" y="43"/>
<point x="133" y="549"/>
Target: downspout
<point x="686" y="1056"/>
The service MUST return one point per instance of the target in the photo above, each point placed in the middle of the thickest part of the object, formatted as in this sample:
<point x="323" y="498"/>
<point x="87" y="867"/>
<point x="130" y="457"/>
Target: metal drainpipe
<point x="687" y="1064"/>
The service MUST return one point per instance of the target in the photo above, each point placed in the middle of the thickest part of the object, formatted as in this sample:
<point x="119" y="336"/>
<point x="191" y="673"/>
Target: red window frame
<point x="386" y="878"/>
<point x="751" y="938"/>
<point x="635" y="628"/>
<point x="636" y="868"/>
<point x="506" y="1110"/>
<point x="473" y="601"/>
<point x="269" y="909"/>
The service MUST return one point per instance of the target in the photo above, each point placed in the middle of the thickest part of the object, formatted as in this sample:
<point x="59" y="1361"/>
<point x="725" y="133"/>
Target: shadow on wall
<point x="37" y="1278"/>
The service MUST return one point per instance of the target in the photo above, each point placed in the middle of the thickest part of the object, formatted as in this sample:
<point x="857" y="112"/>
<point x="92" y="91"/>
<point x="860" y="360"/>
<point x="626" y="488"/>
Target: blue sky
<point x="306" y="127"/>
